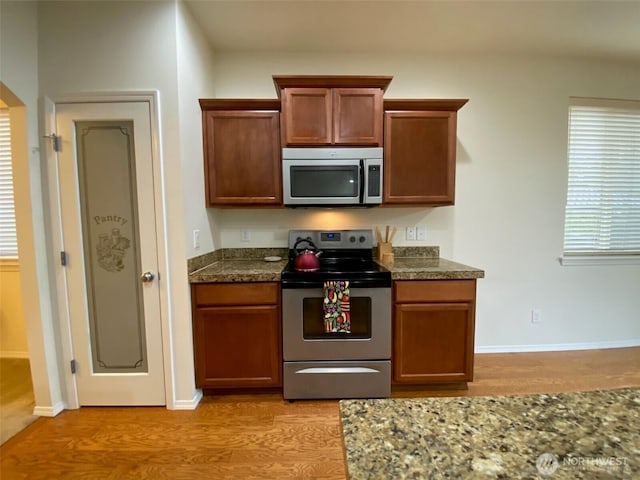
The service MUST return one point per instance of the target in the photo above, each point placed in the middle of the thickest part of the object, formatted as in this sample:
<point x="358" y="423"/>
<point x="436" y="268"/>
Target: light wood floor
<point x="16" y="396"/>
<point x="263" y="436"/>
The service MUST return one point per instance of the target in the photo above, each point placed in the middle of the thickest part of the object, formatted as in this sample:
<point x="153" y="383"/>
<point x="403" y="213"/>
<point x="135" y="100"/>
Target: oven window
<point x="321" y="181"/>
<point x="313" y="319"/>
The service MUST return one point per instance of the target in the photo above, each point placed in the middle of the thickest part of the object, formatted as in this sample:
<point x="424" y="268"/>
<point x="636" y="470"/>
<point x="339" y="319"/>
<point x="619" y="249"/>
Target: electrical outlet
<point x="245" y="235"/>
<point x="196" y="239"/>
<point x="421" y="233"/>
<point x="536" y="316"/>
<point x="411" y="233"/>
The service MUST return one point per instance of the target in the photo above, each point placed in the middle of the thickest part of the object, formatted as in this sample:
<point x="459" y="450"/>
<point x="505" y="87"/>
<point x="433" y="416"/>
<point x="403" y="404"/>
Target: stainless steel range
<point x="345" y="362"/>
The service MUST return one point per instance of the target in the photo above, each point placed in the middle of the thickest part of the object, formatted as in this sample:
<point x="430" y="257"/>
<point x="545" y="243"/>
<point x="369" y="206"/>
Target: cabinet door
<point x="238" y="346"/>
<point x="419" y="157"/>
<point x="242" y="158"/>
<point x="357" y="116"/>
<point x="433" y="343"/>
<point x="306" y="116"/>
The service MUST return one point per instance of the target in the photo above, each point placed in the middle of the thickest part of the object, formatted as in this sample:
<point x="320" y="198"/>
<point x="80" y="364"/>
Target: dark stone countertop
<point x="237" y="265"/>
<point x="248" y="265"/>
<point x="424" y="268"/>
<point x="588" y="435"/>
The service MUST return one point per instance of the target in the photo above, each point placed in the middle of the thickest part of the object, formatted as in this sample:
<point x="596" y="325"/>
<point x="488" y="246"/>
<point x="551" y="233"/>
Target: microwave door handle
<point x="361" y="181"/>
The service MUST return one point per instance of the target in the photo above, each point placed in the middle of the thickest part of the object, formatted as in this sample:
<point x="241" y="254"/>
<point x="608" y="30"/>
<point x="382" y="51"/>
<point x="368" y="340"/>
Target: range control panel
<point x="333" y="238"/>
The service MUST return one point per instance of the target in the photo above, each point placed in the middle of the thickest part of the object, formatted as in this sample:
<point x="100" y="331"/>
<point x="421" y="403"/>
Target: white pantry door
<point x="109" y="235"/>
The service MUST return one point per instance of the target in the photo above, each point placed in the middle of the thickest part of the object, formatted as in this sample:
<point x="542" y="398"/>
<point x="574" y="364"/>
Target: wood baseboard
<point x="187" y="404"/>
<point x="558" y="347"/>
<point x="13" y="354"/>
<point x="49" y="411"/>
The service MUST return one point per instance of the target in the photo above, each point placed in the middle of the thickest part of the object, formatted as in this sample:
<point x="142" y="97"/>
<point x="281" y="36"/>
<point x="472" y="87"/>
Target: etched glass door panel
<point x="105" y="173"/>
<point x="107" y="178"/>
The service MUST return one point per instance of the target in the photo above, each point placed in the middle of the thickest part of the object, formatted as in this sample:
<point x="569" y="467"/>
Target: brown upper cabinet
<point x="243" y="138"/>
<point x="242" y="152"/>
<point x="331" y="110"/>
<point x="420" y="151"/>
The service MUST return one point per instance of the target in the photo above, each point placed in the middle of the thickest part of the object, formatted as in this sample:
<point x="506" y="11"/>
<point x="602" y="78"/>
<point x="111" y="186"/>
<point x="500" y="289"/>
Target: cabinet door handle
<point x="361" y="172"/>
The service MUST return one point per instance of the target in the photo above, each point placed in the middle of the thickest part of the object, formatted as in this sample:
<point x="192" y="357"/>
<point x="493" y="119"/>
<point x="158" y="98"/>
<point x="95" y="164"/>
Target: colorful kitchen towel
<point x="337" y="314"/>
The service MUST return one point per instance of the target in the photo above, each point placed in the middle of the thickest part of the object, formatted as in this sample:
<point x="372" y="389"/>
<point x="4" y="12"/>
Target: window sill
<point x="580" y="260"/>
<point x="9" y="264"/>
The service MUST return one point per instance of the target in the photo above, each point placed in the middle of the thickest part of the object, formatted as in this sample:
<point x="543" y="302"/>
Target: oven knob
<point x="362" y="239"/>
<point x="352" y="239"/>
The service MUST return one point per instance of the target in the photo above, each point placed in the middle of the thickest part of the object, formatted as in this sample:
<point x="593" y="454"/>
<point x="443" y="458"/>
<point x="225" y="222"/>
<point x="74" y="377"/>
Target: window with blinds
<point x="8" y="241"/>
<point x="602" y="216"/>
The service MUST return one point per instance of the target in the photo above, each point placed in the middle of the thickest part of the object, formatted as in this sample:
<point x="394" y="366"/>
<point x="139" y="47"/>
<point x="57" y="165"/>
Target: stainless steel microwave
<point x="344" y="176"/>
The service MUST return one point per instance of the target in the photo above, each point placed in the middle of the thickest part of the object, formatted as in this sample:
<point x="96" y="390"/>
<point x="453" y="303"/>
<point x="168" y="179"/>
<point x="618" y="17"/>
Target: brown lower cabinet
<point x="433" y="331"/>
<point x="237" y="335"/>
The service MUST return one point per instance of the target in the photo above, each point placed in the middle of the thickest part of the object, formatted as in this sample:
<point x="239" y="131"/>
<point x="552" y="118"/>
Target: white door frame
<point x="68" y="382"/>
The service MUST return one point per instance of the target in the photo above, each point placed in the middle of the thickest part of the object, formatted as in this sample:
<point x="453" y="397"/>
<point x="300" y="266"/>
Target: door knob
<point x="147" y="277"/>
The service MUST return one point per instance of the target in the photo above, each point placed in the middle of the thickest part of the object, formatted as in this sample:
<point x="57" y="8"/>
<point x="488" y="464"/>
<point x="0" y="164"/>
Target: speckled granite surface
<point x="431" y="252"/>
<point x="201" y="261"/>
<point x="205" y="260"/>
<point x="247" y="265"/>
<point x="238" y="265"/>
<point x="251" y="270"/>
<point x="426" y="268"/>
<point x="590" y="435"/>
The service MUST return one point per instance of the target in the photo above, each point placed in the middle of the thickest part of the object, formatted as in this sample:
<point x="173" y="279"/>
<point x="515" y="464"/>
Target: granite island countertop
<point x="586" y="435"/>
<point x="248" y="265"/>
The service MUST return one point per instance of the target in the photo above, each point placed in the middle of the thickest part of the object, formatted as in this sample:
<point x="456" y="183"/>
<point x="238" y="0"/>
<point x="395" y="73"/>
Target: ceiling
<point x="591" y="29"/>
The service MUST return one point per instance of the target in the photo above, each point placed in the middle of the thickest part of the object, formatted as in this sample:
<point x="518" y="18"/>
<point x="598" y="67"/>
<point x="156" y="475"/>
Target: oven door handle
<point x="362" y="186"/>
<point x="325" y="370"/>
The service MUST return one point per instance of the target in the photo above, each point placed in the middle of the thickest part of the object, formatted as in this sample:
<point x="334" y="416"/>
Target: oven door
<point x="304" y="337"/>
<point x="322" y="182"/>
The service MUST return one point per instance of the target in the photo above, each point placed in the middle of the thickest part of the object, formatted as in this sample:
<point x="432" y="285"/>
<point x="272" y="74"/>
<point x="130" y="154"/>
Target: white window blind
<point x="602" y="215"/>
<point x="8" y="241"/>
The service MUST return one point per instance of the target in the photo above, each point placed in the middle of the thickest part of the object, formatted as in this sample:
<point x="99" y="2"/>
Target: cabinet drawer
<point x="434" y="290"/>
<point x="261" y="293"/>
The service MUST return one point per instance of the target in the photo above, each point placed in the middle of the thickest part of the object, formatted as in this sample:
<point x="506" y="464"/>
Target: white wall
<point x="19" y="77"/>
<point x="195" y="70"/>
<point x="196" y="79"/>
<point x="510" y="187"/>
<point x="88" y="47"/>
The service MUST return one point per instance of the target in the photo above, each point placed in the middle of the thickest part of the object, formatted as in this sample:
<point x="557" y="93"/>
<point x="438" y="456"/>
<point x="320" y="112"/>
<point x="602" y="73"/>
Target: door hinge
<point x="73" y="365"/>
<point x="55" y="141"/>
<point x="63" y="258"/>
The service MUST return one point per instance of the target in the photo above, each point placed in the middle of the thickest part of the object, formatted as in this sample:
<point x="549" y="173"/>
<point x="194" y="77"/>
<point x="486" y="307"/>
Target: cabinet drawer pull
<point x="313" y="370"/>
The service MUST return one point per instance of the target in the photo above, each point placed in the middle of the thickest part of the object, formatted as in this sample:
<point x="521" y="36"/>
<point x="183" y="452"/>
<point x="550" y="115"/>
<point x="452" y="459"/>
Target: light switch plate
<point x="421" y="233"/>
<point x="411" y="233"/>
<point x="536" y="315"/>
